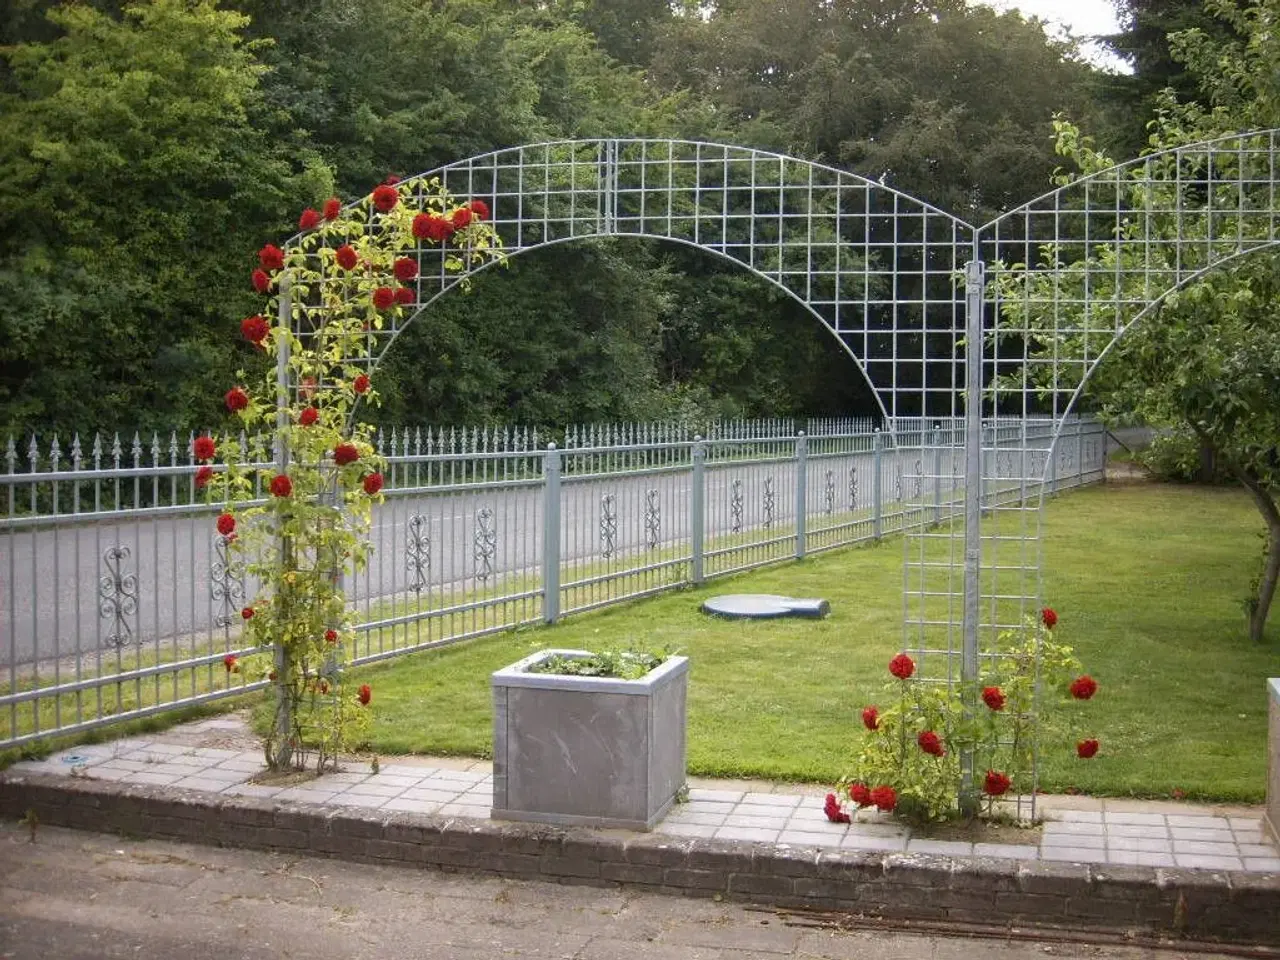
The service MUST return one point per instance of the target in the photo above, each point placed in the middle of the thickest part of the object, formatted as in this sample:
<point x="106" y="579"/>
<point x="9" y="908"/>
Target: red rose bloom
<point x="346" y="256"/>
<point x="236" y="399"/>
<point x="203" y="476"/>
<point x="993" y="697"/>
<point x="405" y="269"/>
<point x="229" y="661"/>
<point x="384" y="298"/>
<point x="391" y="180"/>
<point x="372" y="483"/>
<point x="254" y="329"/>
<point x="323" y="686"/>
<point x="1049" y="617"/>
<point x="345" y="453"/>
<point x="309" y="219"/>
<point x="226" y="524"/>
<point x="902" y="666"/>
<point x="261" y="282"/>
<point x="247" y="613"/>
<point x="271" y="257"/>
<point x="281" y="486"/>
<point x="332" y="207"/>
<point x="930" y="744"/>
<point x="461" y="218"/>
<point x="871" y="718"/>
<point x="331" y="636"/>
<point x="404" y="296"/>
<point x="365" y="694"/>
<point x="204" y="448"/>
<point x="308" y="416"/>
<point x="428" y="226"/>
<point x="831" y="807"/>
<point x="1082" y="688"/>
<point x="996" y="783"/>
<point x="480" y="209"/>
<point x="360" y="384"/>
<point x="1087" y="749"/>
<point x="860" y="794"/>
<point x="884" y="798"/>
<point x="385" y="197"/>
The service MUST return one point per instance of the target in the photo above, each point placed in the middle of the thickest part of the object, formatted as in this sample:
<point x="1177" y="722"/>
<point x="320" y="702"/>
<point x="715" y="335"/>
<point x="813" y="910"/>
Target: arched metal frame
<point x="936" y="313"/>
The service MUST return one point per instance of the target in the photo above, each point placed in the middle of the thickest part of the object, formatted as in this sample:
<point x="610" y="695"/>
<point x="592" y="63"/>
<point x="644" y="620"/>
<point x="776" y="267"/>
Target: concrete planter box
<point x="1272" y="818"/>
<point x="588" y="751"/>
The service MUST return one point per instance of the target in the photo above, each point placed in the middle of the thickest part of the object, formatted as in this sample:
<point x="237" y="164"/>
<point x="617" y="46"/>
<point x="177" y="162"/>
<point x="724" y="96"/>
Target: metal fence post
<point x="877" y="501"/>
<point x="1079" y="452"/>
<point x="937" y="473"/>
<point x="551" y="535"/>
<point x="1053" y="460"/>
<point x="697" y="508"/>
<point x="802" y="487"/>
<point x="282" y="753"/>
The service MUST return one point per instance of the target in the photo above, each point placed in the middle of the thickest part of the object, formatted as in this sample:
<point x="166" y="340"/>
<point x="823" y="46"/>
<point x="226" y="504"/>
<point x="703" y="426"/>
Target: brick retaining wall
<point x="1196" y="903"/>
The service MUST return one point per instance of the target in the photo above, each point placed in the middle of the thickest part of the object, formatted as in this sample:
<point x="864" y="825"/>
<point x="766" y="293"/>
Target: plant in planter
<point x="297" y="525"/>
<point x="909" y="759"/>
<point x="589" y="739"/>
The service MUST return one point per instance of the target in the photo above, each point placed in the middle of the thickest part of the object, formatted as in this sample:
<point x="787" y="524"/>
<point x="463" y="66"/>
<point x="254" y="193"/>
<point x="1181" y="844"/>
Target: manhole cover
<point x="765" y="605"/>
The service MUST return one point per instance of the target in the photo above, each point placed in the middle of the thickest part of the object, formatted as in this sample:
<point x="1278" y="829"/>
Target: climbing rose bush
<point x="299" y="525"/>
<point x="908" y="759"/>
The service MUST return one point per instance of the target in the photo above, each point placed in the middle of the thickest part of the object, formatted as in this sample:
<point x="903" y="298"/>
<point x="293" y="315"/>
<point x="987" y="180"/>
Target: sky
<point x="1083" y="18"/>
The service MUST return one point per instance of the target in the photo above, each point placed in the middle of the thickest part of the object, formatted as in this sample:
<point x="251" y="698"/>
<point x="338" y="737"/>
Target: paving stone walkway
<point x="213" y="756"/>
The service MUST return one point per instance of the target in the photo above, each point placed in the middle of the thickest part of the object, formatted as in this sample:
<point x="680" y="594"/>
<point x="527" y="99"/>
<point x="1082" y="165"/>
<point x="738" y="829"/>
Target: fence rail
<point x="122" y="601"/>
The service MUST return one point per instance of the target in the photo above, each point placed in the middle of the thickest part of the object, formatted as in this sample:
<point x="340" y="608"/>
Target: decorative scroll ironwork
<point x="118" y="595"/>
<point x="917" y="483"/>
<point x="486" y="544"/>
<point x="735" y="507"/>
<point x="1068" y="458"/>
<point x="608" y="525"/>
<point x="829" y="492"/>
<point x="897" y="481"/>
<point x="1004" y="464"/>
<point x="768" y="502"/>
<point x="226" y="583"/>
<point x="417" y="552"/>
<point x="652" y="519"/>
<point x="853" y="488"/>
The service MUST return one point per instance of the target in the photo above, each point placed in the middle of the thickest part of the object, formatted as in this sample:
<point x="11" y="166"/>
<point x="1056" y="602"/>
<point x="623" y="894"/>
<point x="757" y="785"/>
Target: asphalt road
<point x="82" y="896"/>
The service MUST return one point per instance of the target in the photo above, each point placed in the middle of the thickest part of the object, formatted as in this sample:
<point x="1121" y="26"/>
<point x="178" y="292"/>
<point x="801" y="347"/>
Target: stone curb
<point x="1201" y="904"/>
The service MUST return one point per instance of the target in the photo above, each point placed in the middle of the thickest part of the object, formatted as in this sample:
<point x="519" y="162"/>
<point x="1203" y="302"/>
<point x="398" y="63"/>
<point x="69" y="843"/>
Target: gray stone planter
<point x="1272" y="817"/>
<point x="586" y="750"/>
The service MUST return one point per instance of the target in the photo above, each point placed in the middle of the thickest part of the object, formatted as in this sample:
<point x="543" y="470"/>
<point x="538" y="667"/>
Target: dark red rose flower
<point x="902" y="666"/>
<point x="372" y="483"/>
<point x="254" y="329"/>
<point x="281" y="485"/>
<point x="360" y="384"/>
<point x="993" y="697"/>
<point x="261" y="282"/>
<point x="1087" y="749"/>
<point x="1049" y="617"/>
<point x="831" y="807"/>
<point x="271" y="257"/>
<point x="884" y="798"/>
<point x="461" y="218"/>
<point x="391" y="180"/>
<point x="996" y="783"/>
<point x="860" y="794"/>
<point x="323" y="686"/>
<point x="405" y="269"/>
<point x="331" y="636"/>
<point x="871" y="718"/>
<point x="429" y="226"/>
<point x="385" y="197"/>
<point x="204" y="448"/>
<point x="345" y="453"/>
<point x="236" y="399"/>
<point x="1083" y="688"/>
<point x="272" y="676"/>
<point x="404" y="296"/>
<point x="365" y="694"/>
<point x="226" y="524"/>
<point x="308" y="416"/>
<point x="229" y="661"/>
<point x="480" y="209"/>
<point x="247" y="613"/>
<point x="346" y="256"/>
<point x="309" y="219"/>
<point x="931" y="744"/>
<point x="203" y="476"/>
<point x="332" y="207"/>
<point x="384" y="298"/>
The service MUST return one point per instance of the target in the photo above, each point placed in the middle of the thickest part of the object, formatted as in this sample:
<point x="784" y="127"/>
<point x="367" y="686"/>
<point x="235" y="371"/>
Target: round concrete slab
<point x="762" y="606"/>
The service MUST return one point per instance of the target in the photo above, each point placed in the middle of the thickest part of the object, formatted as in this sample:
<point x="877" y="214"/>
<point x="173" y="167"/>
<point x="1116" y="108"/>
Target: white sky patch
<point x="1081" y="19"/>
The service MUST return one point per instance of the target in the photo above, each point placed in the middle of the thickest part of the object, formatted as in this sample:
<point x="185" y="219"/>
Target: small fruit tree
<point x="299" y="476"/>
<point x="909" y="760"/>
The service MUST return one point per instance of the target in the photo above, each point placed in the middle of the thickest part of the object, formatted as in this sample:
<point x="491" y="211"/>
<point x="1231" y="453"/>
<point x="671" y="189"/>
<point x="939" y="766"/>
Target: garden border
<point x="1199" y="904"/>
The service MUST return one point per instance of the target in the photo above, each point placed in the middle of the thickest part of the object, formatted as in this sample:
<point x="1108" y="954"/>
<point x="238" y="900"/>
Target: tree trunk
<point x="1208" y="466"/>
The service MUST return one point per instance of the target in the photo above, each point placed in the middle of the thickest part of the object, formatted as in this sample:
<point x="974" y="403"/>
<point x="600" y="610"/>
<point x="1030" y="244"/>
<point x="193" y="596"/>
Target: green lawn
<point x="1147" y="580"/>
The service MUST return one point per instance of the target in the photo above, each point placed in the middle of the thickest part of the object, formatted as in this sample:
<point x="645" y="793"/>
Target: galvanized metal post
<point x="937" y="473"/>
<point x="802" y="486"/>
<point x="877" y="501"/>
<point x="975" y="277"/>
<point x="697" y="508"/>
<point x="284" y="718"/>
<point x="551" y="535"/>
<point x="1053" y="459"/>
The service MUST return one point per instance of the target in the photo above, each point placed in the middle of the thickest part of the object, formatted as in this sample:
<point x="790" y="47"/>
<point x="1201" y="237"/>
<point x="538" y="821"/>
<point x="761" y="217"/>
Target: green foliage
<point x="614" y="664"/>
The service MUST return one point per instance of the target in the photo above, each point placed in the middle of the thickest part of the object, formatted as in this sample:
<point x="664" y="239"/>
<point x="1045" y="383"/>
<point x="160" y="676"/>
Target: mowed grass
<point x="1147" y="579"/>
